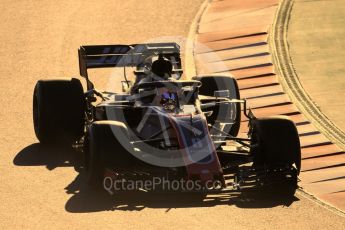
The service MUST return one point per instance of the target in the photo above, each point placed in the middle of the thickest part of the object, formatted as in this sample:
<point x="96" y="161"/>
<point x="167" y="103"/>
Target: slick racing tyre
<point x="58" y="111"/>
<point x="227" y="113"/>
<point x="105" y="150"/>
<point x="277" y="146"/>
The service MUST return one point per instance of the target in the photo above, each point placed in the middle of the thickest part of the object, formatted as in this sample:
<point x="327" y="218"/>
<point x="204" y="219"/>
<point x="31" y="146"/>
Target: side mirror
<point x="222" y="93"/>
<point x="126" y="85"/>
<point x="208" y="113"/>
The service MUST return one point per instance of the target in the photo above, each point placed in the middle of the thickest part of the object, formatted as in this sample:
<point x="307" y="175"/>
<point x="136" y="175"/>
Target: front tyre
<point x="277" y="150"/>
<point x="105" y="149"/>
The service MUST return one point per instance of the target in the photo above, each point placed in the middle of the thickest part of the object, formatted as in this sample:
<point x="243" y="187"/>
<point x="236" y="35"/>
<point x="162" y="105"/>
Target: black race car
<point x="163" y="129"/>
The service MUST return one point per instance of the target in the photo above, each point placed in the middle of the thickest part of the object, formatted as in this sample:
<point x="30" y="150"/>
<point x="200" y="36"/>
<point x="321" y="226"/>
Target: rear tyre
<point x="105" y="150"/>
<point x="223" y="112"/>
<point x="277" y="146"/>
<point x="58" y="111"/>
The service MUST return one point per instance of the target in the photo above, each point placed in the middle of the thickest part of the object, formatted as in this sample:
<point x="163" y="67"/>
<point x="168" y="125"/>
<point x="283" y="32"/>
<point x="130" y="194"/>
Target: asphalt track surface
<point x="42" y="188"/>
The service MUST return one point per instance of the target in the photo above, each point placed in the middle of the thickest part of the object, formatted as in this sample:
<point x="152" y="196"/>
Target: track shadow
<point x="86" y="200"/>
<point x="52" y="157"/>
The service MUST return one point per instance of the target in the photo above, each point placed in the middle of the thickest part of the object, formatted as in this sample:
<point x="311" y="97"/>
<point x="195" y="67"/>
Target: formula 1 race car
<point x="163" y="127"/>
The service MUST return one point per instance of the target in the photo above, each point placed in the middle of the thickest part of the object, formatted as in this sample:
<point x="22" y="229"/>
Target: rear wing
<point x="104" y="56"/>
